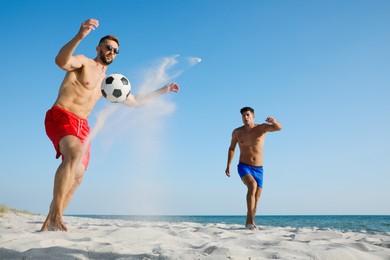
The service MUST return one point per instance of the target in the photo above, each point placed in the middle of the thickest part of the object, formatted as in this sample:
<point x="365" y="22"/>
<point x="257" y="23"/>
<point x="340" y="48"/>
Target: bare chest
<point x="90" y="77"/>
<point x="80" y="90"/>
<point x="252" y="138"/>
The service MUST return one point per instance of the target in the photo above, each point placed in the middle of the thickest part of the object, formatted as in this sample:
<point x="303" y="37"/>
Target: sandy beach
<point x="119" y="239"/>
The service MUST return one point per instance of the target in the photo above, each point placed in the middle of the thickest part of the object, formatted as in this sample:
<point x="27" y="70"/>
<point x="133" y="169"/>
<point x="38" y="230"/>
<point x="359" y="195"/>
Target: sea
<point x="356" y="223"/>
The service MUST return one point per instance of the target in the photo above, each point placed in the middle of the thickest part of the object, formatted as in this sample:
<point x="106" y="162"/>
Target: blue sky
<point x="320" y="67"/>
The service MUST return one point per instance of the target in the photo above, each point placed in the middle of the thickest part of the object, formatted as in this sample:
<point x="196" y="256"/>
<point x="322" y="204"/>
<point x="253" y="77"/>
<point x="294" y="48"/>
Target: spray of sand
<point x="144" y="127"/>
<point x="153" y="78"/>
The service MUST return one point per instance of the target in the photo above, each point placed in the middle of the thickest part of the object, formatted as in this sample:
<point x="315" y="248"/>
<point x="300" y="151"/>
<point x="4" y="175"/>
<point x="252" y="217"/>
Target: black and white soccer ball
<point x="116" y="88"/>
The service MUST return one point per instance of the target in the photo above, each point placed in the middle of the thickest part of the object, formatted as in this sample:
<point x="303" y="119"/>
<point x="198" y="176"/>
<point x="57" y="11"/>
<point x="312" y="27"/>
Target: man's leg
<point x="257" y="197"/>
<point x="251" y="198"/>
<point x="72" y="150"/>
<point x="76" y="183"/>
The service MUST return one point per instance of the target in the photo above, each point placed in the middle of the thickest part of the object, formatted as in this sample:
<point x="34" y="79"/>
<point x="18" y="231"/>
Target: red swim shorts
<point x="60" y="122"/>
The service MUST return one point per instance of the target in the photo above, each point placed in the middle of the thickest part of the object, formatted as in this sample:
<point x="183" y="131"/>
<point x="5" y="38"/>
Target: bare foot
<point x="54" y="223"/>
<point x="251" y="227"/>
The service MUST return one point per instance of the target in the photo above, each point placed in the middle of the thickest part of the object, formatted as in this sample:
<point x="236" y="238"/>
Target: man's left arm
<point x="141" y="100"/>
<point x="273" y="125"/>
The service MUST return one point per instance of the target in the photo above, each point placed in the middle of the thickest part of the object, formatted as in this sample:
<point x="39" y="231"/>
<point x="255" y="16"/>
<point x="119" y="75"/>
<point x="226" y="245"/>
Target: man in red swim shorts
<point x="66" y="122"/>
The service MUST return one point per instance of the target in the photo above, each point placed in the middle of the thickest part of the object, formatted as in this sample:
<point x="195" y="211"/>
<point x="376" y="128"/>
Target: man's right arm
<point x="231" y="150"/>
<point x="65" y="58"/>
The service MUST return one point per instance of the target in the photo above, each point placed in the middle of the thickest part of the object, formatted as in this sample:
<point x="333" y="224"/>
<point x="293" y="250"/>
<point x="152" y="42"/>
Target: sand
<point x="119" y="239"/>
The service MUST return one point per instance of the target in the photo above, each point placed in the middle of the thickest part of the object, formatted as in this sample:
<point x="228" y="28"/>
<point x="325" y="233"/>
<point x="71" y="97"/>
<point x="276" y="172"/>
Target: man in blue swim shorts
<point x="250" y="138"/>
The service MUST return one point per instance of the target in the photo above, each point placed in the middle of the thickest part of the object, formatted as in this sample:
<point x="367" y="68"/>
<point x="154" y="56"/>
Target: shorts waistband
<point x="250" y="165"/>
<point x="70" y="113"/>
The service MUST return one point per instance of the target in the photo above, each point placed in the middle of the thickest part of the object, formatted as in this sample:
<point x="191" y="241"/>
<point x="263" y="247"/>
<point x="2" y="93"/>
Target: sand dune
<point x="119" y="239"/>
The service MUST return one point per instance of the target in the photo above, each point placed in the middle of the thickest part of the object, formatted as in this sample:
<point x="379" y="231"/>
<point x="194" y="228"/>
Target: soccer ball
<point x="116" y="88"/>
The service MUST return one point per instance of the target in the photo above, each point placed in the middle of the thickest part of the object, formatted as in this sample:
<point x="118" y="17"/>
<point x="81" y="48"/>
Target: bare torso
<point x="80" y="89"/>
<point x="251" y="142"/>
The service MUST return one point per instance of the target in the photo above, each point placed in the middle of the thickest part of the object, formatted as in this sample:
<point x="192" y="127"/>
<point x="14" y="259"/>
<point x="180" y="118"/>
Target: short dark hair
<point x="109" y="37"/>
<point x="244" y="109"/>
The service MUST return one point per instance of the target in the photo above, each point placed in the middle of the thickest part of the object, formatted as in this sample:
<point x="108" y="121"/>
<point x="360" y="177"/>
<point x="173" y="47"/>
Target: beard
<point x="104" y="59"/>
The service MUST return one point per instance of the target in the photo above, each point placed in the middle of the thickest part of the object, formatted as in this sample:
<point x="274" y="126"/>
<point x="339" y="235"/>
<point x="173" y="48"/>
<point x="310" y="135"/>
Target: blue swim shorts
<point x="257" y="172"/>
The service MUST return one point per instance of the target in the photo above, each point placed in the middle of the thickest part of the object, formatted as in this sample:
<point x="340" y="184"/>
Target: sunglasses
<point x="110" y="48"/>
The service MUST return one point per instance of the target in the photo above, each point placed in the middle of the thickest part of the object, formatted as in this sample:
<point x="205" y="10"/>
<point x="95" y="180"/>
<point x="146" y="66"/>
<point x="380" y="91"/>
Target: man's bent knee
<point x="249" y="181"/>
<point x="71" y="149"/>
<point x="77" y="181"/>
<point x="71" y="145"/>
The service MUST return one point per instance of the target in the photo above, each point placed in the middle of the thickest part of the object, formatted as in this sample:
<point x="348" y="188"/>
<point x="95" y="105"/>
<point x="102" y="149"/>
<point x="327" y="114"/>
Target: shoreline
<point x="90" y="238"/>
<point x="356" y="223"/>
